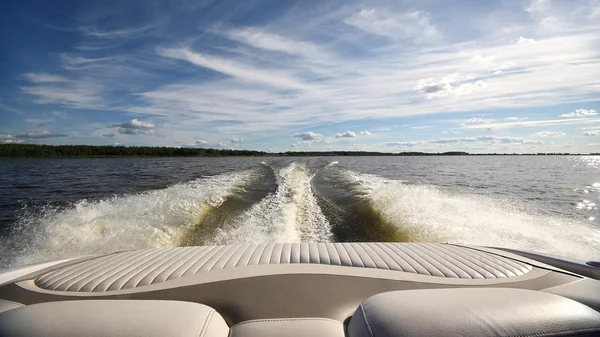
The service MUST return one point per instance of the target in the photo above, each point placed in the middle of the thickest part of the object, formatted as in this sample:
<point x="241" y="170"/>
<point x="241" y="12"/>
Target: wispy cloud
<point x="44" y="78"/>
<point x="580" y="113"/>
<point x="231" y="68"/>
<point x="346" y="134"/>
<point x="136" y="127"/>
<point x="413" y="25"/>
<point x="549" y="134"/>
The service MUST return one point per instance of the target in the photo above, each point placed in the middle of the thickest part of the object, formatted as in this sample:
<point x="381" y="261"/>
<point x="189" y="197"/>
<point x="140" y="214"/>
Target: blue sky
<point x="480" y="76"/>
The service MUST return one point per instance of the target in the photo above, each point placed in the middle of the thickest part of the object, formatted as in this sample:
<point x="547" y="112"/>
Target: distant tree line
<point x="61" y="151"/>
<point x="91" y="151"/>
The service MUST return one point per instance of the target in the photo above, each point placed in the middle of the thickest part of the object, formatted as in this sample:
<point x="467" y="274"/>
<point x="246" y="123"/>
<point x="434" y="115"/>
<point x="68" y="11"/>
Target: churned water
<point x="54" y="208"/>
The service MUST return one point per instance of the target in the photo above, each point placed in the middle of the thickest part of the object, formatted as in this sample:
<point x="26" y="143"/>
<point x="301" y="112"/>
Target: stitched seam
<point x="185" y="255"/>
<point x="259" y="256"/>
<point x="398" y="260"/>
<point x="164" y="263"/>
<point x="194" y="257"/>
<point x="247" y="256"/>
<point x="201" y="261"/>
<point x="347" y="254"/>
<point x="101" y="276"/>
<point x="520" y="263"/>
<point x="359" y="257"/>
<point x="218" y="250"/>
<point x="370" y="249"/>
<point x="86" y="270"/>
<point x="331" y="247"/>
<point x="432" y="261"/>
<point x="223" y="257"/>
<point x="418" y="263"/>
<point x="492" y="261"/>
<point x="359" y="245"/>
<point x="441" y="258"/>
<point x="562" y="332"/>
<point x="421" y="261"/>
<point x="362" y="310"/>
<point x="287" y="320"/>
<point x="458" y="260"/>
<point x="208" y="318"/>
<point x="241" y="255"/>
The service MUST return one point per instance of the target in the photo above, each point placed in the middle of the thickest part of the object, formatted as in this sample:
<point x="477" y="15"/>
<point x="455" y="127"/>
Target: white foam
<point x="156" y="218"/>
<point x="437" y="215"/>
<point x="290" y="214"/>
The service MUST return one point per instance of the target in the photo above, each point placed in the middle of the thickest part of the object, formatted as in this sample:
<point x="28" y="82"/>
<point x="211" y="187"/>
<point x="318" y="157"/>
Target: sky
<point x="510" y="76"/>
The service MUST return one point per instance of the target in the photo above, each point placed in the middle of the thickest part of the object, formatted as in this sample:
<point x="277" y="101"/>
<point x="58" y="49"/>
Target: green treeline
<point x="91" y="151"/>
<point x="58" y="151"/>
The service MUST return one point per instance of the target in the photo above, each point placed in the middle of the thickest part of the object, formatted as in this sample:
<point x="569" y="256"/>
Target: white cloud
<point x="524" y="41"/>
<point x="580" y="113"/>
<point x="12" y="141"/>
<point x="109" y="135"/>
<point x="515" y="118"/>
<point x="527" y="123"/>
<point x="414" y="25"/>
<point x="137" y="124"/>
<point x="221" y="144"/>
<point x="365" y="133"/>
<point x="548" y="134"/>
<point x="537" y="6"/>
<point x="404" y="144"/>
<point x="453" y="85"/>
<point x="275" y="42"/>
<point x="237" y="140"/>
<point x="5" y="137"/>
<point x="309" y="136"/>
<point x="477" y="121"/>
<point x="232" y="68"/>
<point x="137" y="127"/>
<point x="421" y="127"/>
<point x="201" y="142"/>
<point x="43" y="78"/>
<point x="592" y="133"/>
<point x="486" y="139"/>
<point x="347" y="134"/>
<point x="39" y="135"/>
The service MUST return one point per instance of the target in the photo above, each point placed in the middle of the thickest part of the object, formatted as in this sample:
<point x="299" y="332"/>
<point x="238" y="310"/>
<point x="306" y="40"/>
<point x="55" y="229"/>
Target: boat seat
<point x="289" y="327"/>
<point x="472" y="312"/>
<point x="8" y="305"/>
<point x="113" y="318"/>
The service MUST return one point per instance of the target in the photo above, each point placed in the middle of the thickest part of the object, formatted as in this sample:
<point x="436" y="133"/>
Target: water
<point x="54" y="208"/>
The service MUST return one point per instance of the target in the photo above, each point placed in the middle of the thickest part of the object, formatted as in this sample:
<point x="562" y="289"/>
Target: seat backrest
<point x="472" y="312"/>
<point x="96" y="318"/>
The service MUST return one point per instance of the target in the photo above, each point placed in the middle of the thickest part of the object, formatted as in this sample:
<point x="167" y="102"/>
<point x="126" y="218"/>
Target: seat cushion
<point x="471" y="312"/>
<point x="289" y="327"/>
<point x="113" y="318"/>
<point x="8" y="305"/>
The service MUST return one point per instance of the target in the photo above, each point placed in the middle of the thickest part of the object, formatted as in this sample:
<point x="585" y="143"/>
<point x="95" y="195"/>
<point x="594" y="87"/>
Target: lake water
<point x="54" y="208"/>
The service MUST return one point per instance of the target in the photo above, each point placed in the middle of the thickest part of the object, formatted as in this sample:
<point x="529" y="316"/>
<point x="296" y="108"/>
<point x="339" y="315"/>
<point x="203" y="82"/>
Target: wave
<point x="153" y="219"/>
<point x="290" y="214"/>
<point x="428" y="214"/>
<point x="285" y="202"/>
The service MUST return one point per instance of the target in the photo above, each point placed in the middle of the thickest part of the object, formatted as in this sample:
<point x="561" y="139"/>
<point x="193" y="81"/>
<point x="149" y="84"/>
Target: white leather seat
<point x="472" y="312"/>
<point x="289" y="327"/>
<point x="96" y="318"/>
<point x="8" y="305"/>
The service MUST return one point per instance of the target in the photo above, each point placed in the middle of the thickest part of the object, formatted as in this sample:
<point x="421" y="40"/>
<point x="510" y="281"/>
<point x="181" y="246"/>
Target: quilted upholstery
<point x="151" y="266"/>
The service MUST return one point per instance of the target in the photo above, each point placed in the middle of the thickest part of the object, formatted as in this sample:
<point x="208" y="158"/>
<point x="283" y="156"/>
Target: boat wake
<point x="292" y="201"/>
